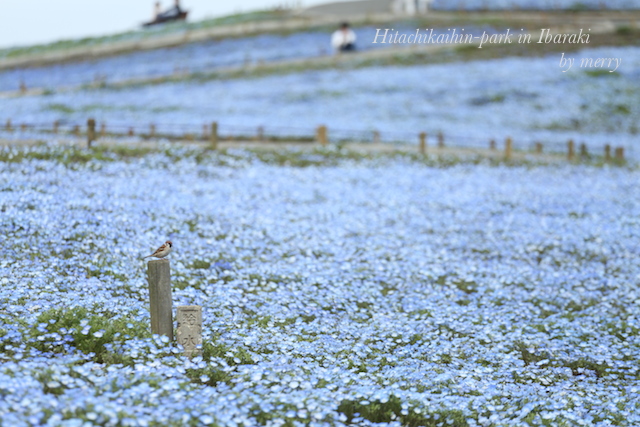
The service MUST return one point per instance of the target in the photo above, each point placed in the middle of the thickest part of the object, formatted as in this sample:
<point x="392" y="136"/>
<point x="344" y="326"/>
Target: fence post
<point x="260" y="135"/>
<point x="7" y="126"/>
<point x="189" y="329"/>
<point x="619" y="153"/>
<point x="103" y="129"/>
<point x="376" y="137"/>
<point x="583" y="150"/>
<point x="423" y="143"/>
<point x="23" y="127"/>
<point x="131" y="131"/>
<point x="91" y="131"/>
<point x="23" y="87"/>
<point x="213" y="136"/>
<point x="440" y="140"/>
<point x="570" y="150"/>
<point x="160" y="300"/>
<point x="152" y="130"/>
<point x="321" y="135"/>
<point x="492" y="144"/>
<point x="607" y="153"/>
<point x="56" y="125"/>
<point x="76" y="130"/>
<point x="538" y="147"/>
<point x="508" y="146"/>
<point x="205" y="132"/>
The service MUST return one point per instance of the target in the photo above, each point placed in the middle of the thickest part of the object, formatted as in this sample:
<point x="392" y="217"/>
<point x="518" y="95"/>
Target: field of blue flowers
<point x="528" y="99"/>
<point x="336" y="291"/>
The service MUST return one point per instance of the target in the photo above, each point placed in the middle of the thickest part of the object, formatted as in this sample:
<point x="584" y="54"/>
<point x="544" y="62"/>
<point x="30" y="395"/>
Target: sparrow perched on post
<point x="162" y="251"/>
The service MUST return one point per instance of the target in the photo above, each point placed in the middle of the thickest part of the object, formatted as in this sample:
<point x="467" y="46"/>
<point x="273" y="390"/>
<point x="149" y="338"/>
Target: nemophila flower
<point x="471" y="294"/>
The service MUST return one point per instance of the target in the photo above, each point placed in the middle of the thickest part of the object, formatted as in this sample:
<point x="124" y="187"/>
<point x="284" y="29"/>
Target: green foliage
<point x="63" y="330"/>
<point x="392" y="409"/>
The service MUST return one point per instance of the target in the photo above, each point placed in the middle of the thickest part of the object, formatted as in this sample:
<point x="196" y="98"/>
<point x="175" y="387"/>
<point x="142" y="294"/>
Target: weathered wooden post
<point x="584" y="153"/>
<point x="7" y="125"/>
<point x="376" y="137"/>
<point x="56" y="125"/>
<point x="619" y="154"/>
<point x="213" y="136"/>
<point x="131" y="131"/>
<point x="76" y="130"/>
<point x="23" y="87"/>
<point x="423" y="143"/>
<point x="570" y="150"/>
<point x="152" y="130"/>
<point x="189" y="330"/>
<point x="160" y="300"/>
<point x="260" y="135"/>
<point x="492" y="144"/>
<point x="508" y="147"/>
<point x="103" y="129"/>
<point x="321" y="135"/>
<point x="607" y="153"/>
<point x="205" y="132"/>
<point x="23" y="127"/>
<point x="91" y="132"/>
<point x="538" y="147"/>
<point x="440" y="140"/>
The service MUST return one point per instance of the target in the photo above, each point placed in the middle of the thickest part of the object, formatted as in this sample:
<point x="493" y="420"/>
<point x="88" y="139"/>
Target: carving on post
<point x="189" y="330"/>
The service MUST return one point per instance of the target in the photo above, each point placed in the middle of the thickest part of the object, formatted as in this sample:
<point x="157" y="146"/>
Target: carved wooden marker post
<point x="189" y="331"/>
<point x="159" y="276"/>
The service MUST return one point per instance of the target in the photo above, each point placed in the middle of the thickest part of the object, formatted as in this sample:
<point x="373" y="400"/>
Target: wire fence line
<point x="234" y="132"/>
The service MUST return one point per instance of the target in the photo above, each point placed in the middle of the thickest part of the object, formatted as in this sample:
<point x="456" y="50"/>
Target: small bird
<point x="162" y="251"/>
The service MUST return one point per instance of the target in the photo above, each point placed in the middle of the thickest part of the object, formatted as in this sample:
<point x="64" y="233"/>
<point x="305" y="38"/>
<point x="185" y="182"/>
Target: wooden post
<point x="321" y="135"/>
<point x="492" y="144"/>
<point x="423" y="143"/>
<point x="508" y="146"/>
<point x="189" y="330"/>
<point x="152" y="130"/>
<point x="583" y="150"/>
<point x="570" y="150"/>
<point x="76" y="130"/>
<point x="56" y="125"/>
<point x="619" y="153"/>
<point x="607" y="153"/>
<point x="23" y="127"/>
<point x="440" y="140"/>
<point x="23" y="87"/>
<point x="205" y="132"/>
<point x="91" y="131"/>
<point x="103" y="129"/>
<point x="160" y="300"/>
<point x="213" y="136"/>
<point x="538" y="147"/>
<point x="131" y="132"/>
<point x="260" y="135"/>
<point x="7" y="126"/>
<point x="376" y="137"/>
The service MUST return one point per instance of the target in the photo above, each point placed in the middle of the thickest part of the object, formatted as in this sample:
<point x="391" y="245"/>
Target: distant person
<point x="344" y="39"/>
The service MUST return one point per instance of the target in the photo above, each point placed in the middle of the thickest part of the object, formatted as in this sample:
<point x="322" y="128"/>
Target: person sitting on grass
<point x="343" y="39"/>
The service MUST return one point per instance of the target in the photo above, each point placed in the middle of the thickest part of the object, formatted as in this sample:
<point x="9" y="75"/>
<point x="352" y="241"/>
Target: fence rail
<point x="212" y="133"/>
